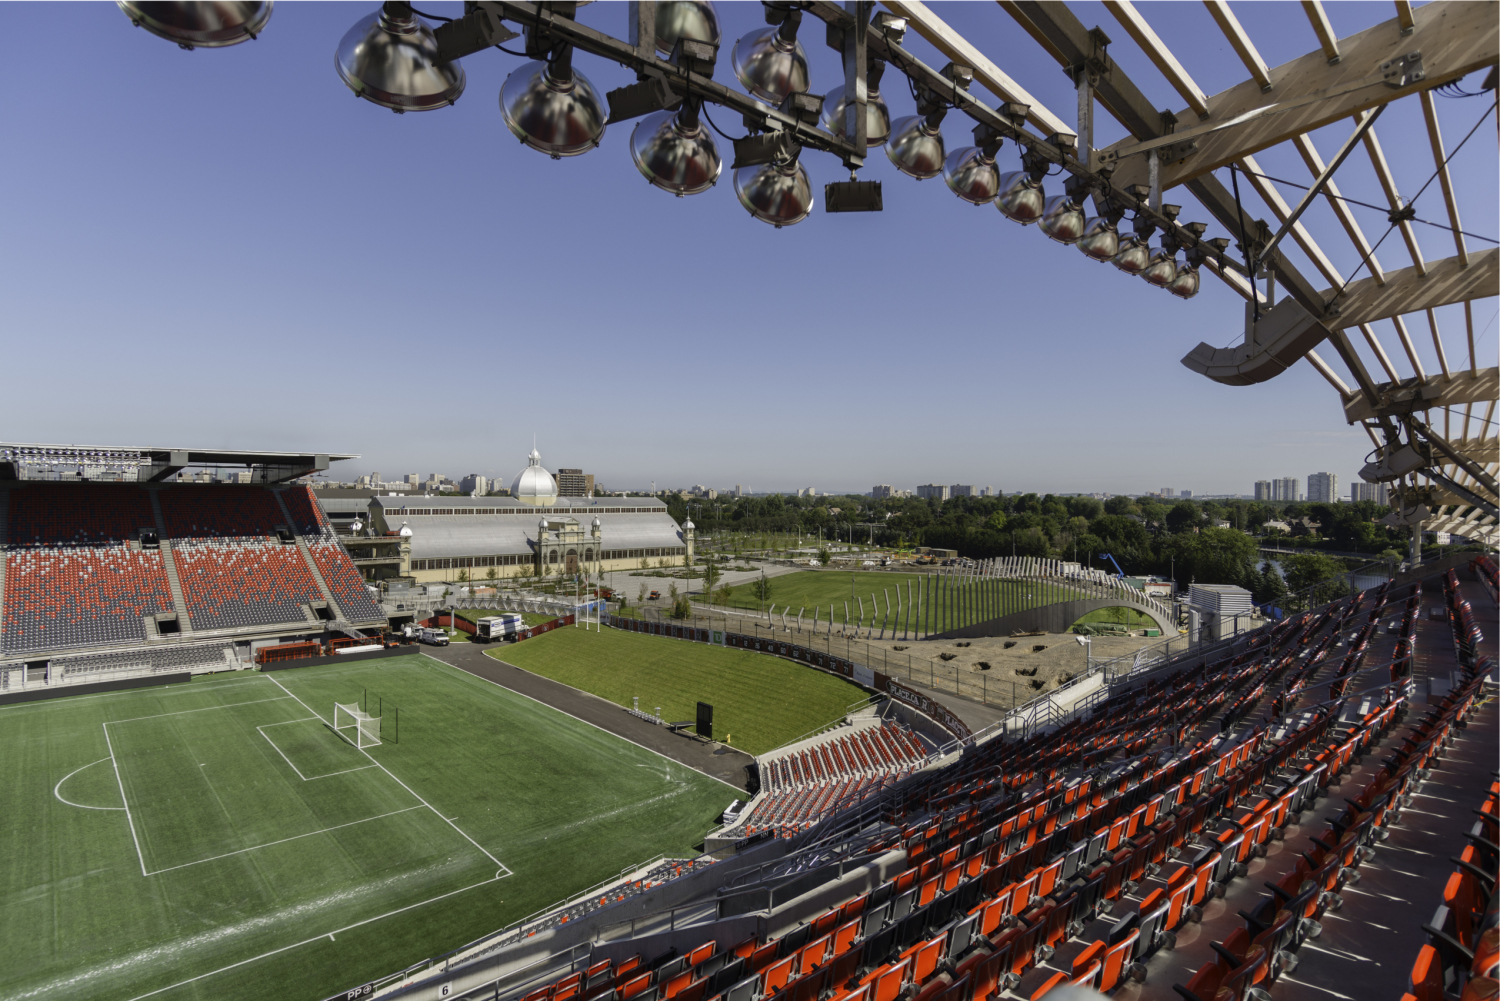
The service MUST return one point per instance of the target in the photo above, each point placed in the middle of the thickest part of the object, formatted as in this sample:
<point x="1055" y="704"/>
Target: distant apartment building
<point x="932" y="491"/>
<point x="1288" y="488"/>
<point x="882" y="491"/>
<point x="1323" y="487"/>
<point x="574" y="483"/>
<point x="1167" y="493"/>
<point x="1263" y="490"/>
<point x="987" y="492"/>
<point x="737" y="491"/>
<point x="474" y="485"/>
<point x="1380" y="493"/>
<point x="413" y="480"/>
<point x="1186" y="495"/>
<point x="961" y="490"/>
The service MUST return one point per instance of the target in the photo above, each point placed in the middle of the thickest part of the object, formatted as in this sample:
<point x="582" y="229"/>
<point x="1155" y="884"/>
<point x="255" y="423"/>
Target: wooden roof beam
<point x="1156" y="50"/>
<point x="1323" y="29"/>
<point x="1455" y="39"/>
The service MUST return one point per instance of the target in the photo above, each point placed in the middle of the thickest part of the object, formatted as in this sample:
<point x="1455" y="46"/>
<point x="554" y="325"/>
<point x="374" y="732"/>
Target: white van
<point x="436" y="637"/>
<point x="498" y="627"/>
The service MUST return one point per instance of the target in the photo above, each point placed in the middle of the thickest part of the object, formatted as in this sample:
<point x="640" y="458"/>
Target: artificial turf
<point x="831" y="591"/>
<point x="261" y="856"/>
<point x="760" y="702"/>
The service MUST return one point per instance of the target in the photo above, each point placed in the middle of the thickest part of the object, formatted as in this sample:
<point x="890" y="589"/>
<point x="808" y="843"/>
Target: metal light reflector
<point x="553" y="108"/>
<point x="211" y="24"/>
<point x="779" y="192"/>
<point x="971" y="174"/>
<point x="1185" y="285"/>
<point x="1022" y="197"/>
<point x="389" y="58"/>
<point x="1100" y="240"/>
<point x="1162" y="269"/>
<point x="1063" y="219"/>
<point x="916" y="146"/>
<point x="771" y="63"/>
<point x="1133" y="256"/>
<point x="694" y="19"/>
<point x="675" y="152"/>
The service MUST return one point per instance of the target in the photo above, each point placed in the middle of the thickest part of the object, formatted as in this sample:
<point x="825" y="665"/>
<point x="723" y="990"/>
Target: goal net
<point x="359" y="728"/>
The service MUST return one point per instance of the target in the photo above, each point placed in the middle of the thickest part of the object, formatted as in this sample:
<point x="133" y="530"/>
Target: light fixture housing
<point x="916" y="146"/>
<point x="779" y="193"/>
<point x="1022" y="197"/>
<point x="675" y="152"/>
<point x="212" y="24"/>
<point x="971" y="174"/>
<point x="877" y="112"/>
<point x="553" y="108"/>
<point x="1100" y="240"/>
<point x="389" y="58"/>
<point x="694" y="19"/>
<point x="771" y="63"/>
<point x="1134" y="254"/>
<point x="1185" y="284"/>
<point x="1162" y="269"/>
<point x="1063" y="219"/>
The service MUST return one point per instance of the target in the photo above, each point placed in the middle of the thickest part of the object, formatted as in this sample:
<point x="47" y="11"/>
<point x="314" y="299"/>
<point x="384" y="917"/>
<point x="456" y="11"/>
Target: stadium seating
<point x="233" y="569"/>
<point x="1073" y="856"/>
<point x="808" y="784"/>
<point x="73" y="573"/>
<point x="332" y="560"/>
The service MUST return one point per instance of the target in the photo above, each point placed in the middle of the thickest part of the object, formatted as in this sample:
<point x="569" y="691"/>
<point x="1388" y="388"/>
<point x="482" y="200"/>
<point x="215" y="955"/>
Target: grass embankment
<point x="760" y="702"/>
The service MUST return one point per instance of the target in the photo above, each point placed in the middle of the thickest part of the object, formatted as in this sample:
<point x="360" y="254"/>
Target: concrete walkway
<point x="723" y="763"/>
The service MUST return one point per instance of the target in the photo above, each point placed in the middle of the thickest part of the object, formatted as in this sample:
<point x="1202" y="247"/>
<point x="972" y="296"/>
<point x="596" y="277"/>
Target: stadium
<point x="262" y="743"/>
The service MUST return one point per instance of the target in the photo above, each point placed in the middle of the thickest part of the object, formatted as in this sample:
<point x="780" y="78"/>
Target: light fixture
<point x="771" y="63"/>
<point x="389" y="58"/>
<point x="1134" y="255"/>
<point x="694" y="19"/>
<point x="552" y="107"/>
<point x="675" y="152"/>
<point x="208" y="25"/>
<point x="916" y="146"/>
<point x="971" y="173"/>
<point x="1162" y="268"/>
<point x="877" y="112"/>
<point x="1185" y="285"/>
<point x="778" y="192"/>
<point x="1022" y="197"/>
<point x="1101" y="234"/>
<point x="1063" y="219"/>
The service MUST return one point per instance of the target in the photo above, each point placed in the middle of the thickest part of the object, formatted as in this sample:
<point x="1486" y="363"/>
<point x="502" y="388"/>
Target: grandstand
<point x="138" y="573"/>
<point x="1183" y="836"/>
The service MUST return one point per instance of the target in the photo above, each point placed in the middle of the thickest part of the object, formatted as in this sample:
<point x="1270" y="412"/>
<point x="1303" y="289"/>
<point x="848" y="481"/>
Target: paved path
<point x="724" y="763"/>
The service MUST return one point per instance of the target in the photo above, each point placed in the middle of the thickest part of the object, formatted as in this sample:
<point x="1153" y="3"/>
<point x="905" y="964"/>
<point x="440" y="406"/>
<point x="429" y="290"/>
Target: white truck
<point x="499" y="627"/>
<point x="435" y="637"/>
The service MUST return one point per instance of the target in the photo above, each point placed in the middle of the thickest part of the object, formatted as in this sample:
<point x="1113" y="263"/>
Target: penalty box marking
<point x="304" y="778"/>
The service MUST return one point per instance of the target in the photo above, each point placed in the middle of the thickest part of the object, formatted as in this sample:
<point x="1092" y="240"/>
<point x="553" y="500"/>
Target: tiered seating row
<point x="983" y="911"/>
<point x="1466" y="633"/>
<point x="73" y="577"/>
<point x="1485" y="569"/>
<point x="333" y="561"/>
<point x="806" y="785"/>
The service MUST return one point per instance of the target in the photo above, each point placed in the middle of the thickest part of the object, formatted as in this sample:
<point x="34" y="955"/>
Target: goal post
<point x="358" y="727"/>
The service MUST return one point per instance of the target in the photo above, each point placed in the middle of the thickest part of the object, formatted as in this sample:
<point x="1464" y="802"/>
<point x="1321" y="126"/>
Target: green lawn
<point x="216" y="840"/>
<point x="760" y="702"/>
<point x="809" y="589"/>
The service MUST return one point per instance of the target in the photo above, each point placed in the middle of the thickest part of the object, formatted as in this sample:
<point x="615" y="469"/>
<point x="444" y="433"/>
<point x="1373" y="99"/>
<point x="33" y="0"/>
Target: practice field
<point x="759" y="701"/>
<point x="217" y="839"/>
<point x="819" y="589"/>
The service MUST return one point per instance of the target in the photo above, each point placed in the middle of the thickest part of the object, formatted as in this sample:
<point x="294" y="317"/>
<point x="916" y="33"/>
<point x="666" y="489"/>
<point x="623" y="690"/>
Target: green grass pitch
<point x="811" y="589"/>
<point x="759" y="701"/>
<point x="216" y="840"/>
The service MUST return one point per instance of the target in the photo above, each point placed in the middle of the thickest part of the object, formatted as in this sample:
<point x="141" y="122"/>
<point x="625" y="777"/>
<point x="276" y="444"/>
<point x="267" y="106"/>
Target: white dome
<point x="688" y="526"/>
<point x="534" y="485"/>
<point x="405" y="532"/>
<point x="596" y="521"/>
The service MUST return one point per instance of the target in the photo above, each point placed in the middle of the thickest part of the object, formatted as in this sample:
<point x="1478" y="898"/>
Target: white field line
<point x="580" y="719"/>
<point x="204" y="709"/>
<point x="321" y="935"/>
<point x="56" y="790"/>
<point x="304" y="778"/>
<point x="295" y="837"/>
<point x="403" y="785"/>
<point x="124" y="799"/>
<point x="62" y="702"/>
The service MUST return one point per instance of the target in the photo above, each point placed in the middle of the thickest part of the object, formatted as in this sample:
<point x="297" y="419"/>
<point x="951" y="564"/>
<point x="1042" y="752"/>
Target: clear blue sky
<point x="227" y="249"/>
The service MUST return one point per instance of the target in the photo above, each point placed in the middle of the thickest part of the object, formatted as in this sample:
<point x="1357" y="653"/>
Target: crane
<point x="1119" y="573"/>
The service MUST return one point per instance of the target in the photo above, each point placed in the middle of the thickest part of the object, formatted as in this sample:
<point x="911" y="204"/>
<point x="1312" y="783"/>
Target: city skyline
<point x="270" y="294"/>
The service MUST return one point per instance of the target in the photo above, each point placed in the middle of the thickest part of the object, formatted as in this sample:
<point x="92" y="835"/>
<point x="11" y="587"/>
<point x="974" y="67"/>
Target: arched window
<point x="552" y="556"/>
<point x="588" y="556"/>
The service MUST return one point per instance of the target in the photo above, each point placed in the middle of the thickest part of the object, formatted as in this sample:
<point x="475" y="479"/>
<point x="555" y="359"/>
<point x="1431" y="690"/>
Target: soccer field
<point x="759" y="701"/>
<point x="217" y="840"/>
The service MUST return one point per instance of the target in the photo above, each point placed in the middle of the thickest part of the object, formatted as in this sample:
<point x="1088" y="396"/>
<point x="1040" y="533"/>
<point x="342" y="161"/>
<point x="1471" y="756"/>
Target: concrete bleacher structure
<point x="1185" y="836"/>
<point x="97" y="568"/>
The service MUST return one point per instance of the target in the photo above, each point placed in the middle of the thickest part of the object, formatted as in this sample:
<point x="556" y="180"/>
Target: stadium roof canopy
<point x="154" y="463"/>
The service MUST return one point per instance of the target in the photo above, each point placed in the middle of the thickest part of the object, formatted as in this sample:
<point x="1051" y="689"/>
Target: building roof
<point x="442" y="536"/>
<point x="534" y="484"/>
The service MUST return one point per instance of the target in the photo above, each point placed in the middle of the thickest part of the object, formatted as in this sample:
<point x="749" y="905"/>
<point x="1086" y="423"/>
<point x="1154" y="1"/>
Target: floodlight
<point x="389" y="58"/>
<point x="1162" y="269"/>
<point x="877" y="112"/>
<point x="972" y="175"/>
<point x="1100" y="240"/>
<point x="916" y="146"/>
<point x="771" y="63"/>
<point x="697" y="20"/>
<point x="778" y="192"/>
<point x="1185" y="284"/>
<point x="208" y="25"/>
<point x="552" y="107"/>
<point x="675" y="152"/>
<point x="1022" y="197"/>
<point x="1063" y="219"/>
